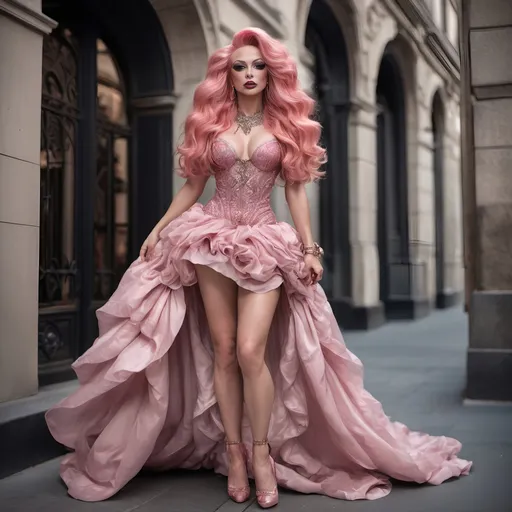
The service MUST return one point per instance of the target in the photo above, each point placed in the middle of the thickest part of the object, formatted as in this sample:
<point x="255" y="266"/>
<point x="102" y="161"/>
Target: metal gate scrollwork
<point x="58" y="273"/>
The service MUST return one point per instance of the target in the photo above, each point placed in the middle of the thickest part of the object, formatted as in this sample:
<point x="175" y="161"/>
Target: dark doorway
<point x="325" y="41"/>
<point x="105" y="163"/>
<point x="396" y="273"/>
<point x="438" y="132"/>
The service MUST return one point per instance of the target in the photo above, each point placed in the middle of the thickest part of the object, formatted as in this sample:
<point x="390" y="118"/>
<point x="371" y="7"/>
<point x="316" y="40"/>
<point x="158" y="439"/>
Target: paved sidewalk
<point x="417" y="370"/>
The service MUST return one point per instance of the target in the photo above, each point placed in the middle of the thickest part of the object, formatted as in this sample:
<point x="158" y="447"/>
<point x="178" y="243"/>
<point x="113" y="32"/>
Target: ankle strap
<point x="230" y="443"/>
<point x="260" y="443"/>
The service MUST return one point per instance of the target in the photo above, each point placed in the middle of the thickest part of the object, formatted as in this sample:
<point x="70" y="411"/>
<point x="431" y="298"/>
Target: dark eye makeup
<point x="260" y="65"/>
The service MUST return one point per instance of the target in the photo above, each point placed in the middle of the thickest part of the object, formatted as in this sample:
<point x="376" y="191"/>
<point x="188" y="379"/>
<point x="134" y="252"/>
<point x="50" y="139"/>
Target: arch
<point x="344" y="14"/>
<point x="192" y="32"/>
<point x="438" y="136"/>
<point x="135" y="35"/>
<point x="392" y="185"/>
<point x="136" y="38"/>
<point x="189" y="30"/>
<point x="326" y="42"/>
<point x="136" y="43"/>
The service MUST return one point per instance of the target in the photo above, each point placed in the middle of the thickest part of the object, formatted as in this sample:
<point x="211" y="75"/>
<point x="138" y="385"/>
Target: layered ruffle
<point x="146" y="397"/>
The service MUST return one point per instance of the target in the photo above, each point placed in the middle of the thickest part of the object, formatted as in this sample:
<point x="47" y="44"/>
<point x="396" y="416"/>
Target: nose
<point x="248" y="74"/>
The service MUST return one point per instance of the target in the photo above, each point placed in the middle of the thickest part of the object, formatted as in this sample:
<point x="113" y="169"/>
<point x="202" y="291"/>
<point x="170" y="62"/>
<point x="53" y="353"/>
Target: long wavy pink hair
<point x="287" y="109"/>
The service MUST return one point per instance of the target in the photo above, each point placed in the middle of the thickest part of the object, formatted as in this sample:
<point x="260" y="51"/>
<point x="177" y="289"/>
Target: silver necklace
<point x="248" y="122"/>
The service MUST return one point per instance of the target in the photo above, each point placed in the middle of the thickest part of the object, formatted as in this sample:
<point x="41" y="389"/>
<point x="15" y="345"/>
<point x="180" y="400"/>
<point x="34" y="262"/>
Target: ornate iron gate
<point x="61" y="329"/>
<point x="58" y="272"/>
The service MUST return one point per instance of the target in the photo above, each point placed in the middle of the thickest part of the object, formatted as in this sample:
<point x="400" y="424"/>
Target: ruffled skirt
<point x="146" y="396"/>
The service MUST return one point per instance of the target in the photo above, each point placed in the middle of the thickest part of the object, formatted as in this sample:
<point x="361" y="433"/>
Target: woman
<point x="219" y="337"/>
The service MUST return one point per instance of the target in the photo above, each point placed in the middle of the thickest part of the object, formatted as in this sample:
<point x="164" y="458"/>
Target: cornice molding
<point x="431" y="43"/>
<point x="425" y="18"/>
<point x="34" y="20"/>
<point x="439" y="50"/>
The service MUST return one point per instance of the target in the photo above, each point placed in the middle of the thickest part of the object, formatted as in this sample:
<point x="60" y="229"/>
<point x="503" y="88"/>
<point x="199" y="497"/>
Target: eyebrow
<point x="243" y="61"/>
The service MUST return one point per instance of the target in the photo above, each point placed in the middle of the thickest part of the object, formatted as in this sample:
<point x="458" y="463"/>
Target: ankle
<point x="260" y="452"/>
<point x="235" y="450"/>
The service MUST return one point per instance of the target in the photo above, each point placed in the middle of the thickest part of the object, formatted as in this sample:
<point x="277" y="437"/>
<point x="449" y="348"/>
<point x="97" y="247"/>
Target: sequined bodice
<point x="243" y="187"/>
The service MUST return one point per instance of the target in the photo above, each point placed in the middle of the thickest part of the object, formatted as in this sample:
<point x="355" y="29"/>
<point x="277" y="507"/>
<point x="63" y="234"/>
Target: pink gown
<point x="146" y="396"/>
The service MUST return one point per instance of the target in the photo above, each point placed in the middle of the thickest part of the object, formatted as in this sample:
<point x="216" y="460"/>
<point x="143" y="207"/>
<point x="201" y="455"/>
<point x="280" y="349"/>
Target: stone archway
<point x="326" y="42"/>
<point x="392" y="209"/>
<point x="191" y="29"/>
<point x="106" y="132"/>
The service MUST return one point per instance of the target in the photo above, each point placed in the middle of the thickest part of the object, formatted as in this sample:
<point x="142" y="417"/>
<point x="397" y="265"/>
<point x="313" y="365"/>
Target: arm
<point x="188" y="194"/>
<point x="298" y="204"/>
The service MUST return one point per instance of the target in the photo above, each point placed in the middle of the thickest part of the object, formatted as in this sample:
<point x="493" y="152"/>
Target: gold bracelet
<point x="314" y="249"/>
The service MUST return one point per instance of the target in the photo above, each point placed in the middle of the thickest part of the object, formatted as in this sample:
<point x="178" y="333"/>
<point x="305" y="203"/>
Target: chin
<point x="251" y="92"/>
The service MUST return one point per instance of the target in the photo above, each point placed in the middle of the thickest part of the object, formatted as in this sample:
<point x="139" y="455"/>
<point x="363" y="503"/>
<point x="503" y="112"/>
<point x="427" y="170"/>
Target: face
<point x="249" y="72"/>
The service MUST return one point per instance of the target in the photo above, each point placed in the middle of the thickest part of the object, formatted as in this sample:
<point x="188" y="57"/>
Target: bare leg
<point x="220" y="301"/>
<point x="255" y="313"/>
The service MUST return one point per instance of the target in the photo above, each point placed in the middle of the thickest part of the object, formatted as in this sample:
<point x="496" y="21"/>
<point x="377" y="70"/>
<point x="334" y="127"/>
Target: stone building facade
<point x="486" y="108"/>
<point x="93" y="98"/>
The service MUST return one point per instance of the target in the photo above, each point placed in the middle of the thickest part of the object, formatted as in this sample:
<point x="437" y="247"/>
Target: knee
<point x="251" y="356"/>
<point x="225" y="354"/>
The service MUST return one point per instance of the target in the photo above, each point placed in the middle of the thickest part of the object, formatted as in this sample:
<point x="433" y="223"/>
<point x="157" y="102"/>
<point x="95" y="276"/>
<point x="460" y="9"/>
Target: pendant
<point x="247" y="123"/>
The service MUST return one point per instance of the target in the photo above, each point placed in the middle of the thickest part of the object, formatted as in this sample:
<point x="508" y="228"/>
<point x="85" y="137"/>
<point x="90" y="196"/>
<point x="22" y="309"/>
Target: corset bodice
<point x="243" y="187"/>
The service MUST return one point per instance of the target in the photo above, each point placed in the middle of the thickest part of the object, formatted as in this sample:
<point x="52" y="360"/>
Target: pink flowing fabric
<point x="146" y="396"/>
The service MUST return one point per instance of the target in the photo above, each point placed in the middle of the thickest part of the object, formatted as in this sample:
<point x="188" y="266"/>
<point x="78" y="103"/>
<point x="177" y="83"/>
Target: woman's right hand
<point x="148" y="246"/>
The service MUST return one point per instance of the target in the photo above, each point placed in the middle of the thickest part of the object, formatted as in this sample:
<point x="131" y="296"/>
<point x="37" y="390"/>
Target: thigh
<point x="219" y="295"/>
<point x="255" y="314"/>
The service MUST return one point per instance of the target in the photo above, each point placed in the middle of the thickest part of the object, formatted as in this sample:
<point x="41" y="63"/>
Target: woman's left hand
<point x="314" y="268"/>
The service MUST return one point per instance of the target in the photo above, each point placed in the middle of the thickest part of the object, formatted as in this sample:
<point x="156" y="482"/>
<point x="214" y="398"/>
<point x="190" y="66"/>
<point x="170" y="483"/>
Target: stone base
<point x="446" y="300"/>
<point x="26" y="442"/>
<point x="489" y="363"/>
<point x="407" y="309"/>
<point x="352" y="317"/>
<point x="24" y="437"/>
<point x="63" y="373"/>
<point x="489" y="375"/>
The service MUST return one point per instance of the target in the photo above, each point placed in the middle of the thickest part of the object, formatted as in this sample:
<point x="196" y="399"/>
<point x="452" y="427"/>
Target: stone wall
<point x="21" y="35"/>
<point x="487" y="158"/>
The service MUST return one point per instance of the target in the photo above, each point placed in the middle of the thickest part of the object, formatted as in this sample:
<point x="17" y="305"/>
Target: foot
<point x="238" y="482"/>
<point x="264" y="475"/>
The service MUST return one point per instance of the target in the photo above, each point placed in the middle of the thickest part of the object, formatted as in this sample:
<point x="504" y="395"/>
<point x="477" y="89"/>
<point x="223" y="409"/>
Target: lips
<point x="250" y="85"/>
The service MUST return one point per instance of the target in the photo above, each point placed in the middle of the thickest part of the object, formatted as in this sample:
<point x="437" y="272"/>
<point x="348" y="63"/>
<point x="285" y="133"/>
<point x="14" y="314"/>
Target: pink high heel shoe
<point x="239" y="494"/>
<point x="266" y="498"/>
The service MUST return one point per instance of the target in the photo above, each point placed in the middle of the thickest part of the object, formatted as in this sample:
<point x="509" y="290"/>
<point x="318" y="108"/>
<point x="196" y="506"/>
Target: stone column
<point x="22" y="27"/>
<point x="367" y="308"/>
<point x="422" y="213"/>
<point x="486" y="43"/>
<point x="453" y="267"/>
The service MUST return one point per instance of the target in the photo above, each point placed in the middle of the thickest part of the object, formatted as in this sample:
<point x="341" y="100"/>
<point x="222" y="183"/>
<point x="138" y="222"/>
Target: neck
<point x="249" y="105"/>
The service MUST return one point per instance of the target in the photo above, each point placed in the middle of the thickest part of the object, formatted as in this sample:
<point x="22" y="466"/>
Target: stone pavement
<point x="417" y="369"/>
